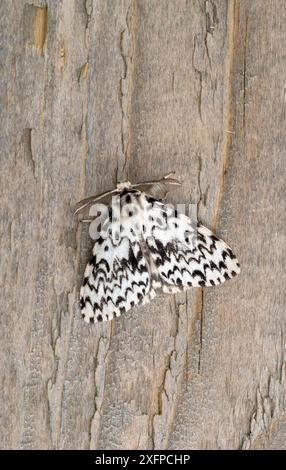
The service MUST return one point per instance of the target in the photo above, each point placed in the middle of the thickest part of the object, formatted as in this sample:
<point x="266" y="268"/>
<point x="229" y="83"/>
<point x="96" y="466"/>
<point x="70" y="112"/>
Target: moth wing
<point x="184" y="255"/>
<point x="116" y="279"/>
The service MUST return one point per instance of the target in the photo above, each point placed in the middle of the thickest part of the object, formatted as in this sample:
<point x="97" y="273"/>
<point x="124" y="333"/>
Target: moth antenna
<point x="169" y="175"/>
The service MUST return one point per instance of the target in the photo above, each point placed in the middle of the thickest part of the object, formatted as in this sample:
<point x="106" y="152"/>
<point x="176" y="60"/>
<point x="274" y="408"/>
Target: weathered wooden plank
<point x="41" y="161"/>
<point x="179" y="79"/>
<point x="97" y="91"/>
<point x="237" y="398"/>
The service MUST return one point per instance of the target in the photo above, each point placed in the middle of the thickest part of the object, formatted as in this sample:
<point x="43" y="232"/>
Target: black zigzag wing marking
<point x="185" y="257"/>
<point x="117" y="277"/>
<point x="107" y="293"/>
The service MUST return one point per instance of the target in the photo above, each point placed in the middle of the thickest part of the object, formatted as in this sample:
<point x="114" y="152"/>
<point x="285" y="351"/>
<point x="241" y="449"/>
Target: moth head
<point x="124" y="185"/>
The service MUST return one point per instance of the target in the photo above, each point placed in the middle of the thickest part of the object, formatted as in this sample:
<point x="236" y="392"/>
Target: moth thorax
<point x="124" y="185"/>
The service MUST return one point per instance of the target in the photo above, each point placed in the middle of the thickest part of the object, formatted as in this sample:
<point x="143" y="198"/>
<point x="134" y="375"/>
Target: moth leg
<point x="88" y="220"/>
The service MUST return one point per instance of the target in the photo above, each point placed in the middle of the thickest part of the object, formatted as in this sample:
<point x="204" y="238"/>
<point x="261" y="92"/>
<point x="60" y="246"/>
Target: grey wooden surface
<point x="95" y="91"/>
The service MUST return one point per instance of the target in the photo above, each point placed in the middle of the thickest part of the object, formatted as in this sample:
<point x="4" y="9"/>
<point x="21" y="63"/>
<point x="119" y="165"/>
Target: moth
<point x="145" y="247"/>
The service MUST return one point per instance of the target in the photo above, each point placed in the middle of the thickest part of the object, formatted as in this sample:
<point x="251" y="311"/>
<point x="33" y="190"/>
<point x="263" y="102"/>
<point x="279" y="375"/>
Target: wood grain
<point x="93" y="92"/>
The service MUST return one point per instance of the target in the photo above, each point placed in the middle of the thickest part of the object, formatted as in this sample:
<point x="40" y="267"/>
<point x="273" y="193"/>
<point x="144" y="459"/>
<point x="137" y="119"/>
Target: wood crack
<point x="244" y="74"/>
<point x="269" y="407"/>
<point x="126" y="44"/>
<point x="201" y="313"/>
<point x="161" y="421"/>
<point x="228" y="115"/>
<point x="100" y="372"/>
<point x="200" y="77"/>
<point x="26" y="141"/>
